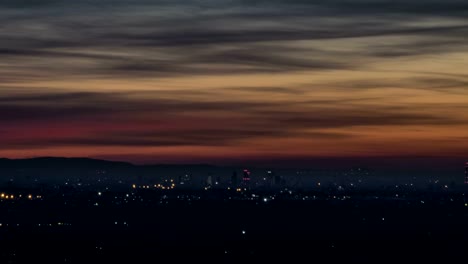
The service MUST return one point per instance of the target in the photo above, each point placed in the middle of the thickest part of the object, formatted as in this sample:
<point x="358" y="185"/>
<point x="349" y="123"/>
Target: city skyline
<point x="233" y="131"/>
<point x="229" y="81"/>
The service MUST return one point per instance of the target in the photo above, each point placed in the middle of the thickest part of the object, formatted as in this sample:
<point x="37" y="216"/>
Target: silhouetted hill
<point x="55" y="162"/>
<point x="60" y="162"/>
<point x="181" y="166"/>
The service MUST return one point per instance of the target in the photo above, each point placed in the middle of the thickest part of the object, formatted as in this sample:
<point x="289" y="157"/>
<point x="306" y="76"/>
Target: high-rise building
<point x="246" y="181"/>
<point x="270" y="178"/>
<point x="277" y="179"/>
<point x="246" y="177"/>
<point x="466" y="173"/>
<point x="209" y="181"/>
<point x="234" y="179"/>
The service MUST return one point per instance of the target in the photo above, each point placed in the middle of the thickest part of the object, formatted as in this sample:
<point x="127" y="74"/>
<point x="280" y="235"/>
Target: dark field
<point x="74" y="230"/>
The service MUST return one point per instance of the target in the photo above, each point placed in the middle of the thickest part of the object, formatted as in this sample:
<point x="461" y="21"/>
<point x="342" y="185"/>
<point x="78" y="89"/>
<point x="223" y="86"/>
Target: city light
<point x="255" y="192"/>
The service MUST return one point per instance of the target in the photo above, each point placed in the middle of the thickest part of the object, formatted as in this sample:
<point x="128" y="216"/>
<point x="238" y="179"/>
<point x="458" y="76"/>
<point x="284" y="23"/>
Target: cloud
<point x="268" y="90"/>
<point x="58" y="40"/>
<point x="139" y="120"/>
<point x="448" y="84"/>
<point x="43" y="40"/>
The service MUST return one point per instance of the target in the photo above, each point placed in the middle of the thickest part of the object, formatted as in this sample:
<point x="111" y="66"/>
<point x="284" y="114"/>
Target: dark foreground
<point x="75" y="230"/>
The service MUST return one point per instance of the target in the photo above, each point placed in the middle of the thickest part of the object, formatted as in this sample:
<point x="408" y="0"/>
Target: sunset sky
<point x="229" y="80"/>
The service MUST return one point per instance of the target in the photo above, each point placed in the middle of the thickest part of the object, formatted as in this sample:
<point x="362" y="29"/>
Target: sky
<point x="233" y="80"/>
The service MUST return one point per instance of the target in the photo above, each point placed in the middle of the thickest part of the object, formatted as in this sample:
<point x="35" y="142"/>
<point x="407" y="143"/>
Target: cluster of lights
<point x="169" y="186"/>
<point x="57" y="224"/>
<point x="166" y="186"/>
<point x="5" y="196"/>
<point x="40" y="225"/>
<point x="162" y="187"/>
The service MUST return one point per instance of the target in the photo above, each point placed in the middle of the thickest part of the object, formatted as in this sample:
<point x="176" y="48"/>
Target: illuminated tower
<point x="466" y="173"/>
<point x="246" y="177"/>
<point x="270" y="178"/>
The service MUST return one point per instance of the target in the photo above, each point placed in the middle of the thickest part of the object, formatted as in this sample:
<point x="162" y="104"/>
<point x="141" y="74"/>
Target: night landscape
<point x="233" y="131"/>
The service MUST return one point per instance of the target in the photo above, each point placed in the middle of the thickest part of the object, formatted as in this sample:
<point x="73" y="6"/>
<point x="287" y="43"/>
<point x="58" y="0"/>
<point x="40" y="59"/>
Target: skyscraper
<point x="270" y="178"/>
<point x="277" y="179"/>
<point x="466" y="173"/>
<point x="246" y="177"/>
<point x="234" y="179"/>
<point x="209" y="181"/>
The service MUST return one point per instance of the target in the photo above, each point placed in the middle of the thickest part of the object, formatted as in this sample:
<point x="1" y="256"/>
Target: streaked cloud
<point x="314" y="77"/>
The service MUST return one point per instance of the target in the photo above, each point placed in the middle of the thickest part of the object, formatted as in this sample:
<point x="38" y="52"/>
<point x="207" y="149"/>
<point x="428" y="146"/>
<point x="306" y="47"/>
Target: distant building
<point x="466" y="173"/>
<point x="234" y="179"/>
<point x="246" y="177"/>
<point x="270" y="178"/>
<point x="277" y="180"/>
<point x="209" y="181"/>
